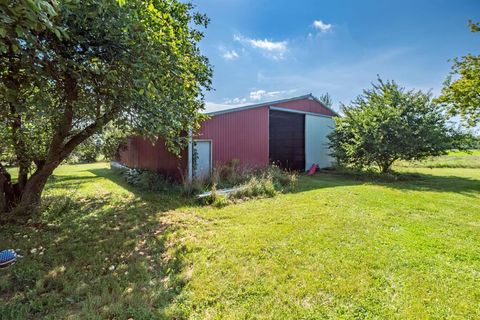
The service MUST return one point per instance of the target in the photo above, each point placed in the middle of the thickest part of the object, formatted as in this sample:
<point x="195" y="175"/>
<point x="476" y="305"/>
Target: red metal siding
<point x="239" y="135"/>
<point x="306" y="105"/>
<point x="141" y="153"/>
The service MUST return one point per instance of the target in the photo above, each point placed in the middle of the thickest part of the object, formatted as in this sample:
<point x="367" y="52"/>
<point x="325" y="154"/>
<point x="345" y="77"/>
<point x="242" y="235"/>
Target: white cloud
<point x="236" y="101"/>
<point x="272" y="49"/>
<point x="230" y="55"/>
<point x="322" y="26"/>
<point x="269" y="45"/>
<point x="258" y="95"/>
<point x="262" y="94"/>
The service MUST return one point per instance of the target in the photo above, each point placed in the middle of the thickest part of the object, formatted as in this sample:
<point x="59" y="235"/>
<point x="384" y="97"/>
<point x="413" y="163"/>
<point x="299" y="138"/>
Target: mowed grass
<point x="454" y="159"/>
<point x="337" y="247"/>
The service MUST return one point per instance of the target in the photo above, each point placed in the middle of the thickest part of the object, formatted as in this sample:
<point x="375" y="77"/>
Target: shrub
<point x="256" y="187"/>
<point x="216" y="199"/>
<point x="251" y="183"/>
<point x="147" y="180"/>
<point x="266" y="183"/>
<point x="387" y="123"/>
<point x="231" y="174"/>
<point x="86" y="152"/>
<point x="281" y="178"/>
<point x="113" y="141"/>
<point x="193" y="188"/>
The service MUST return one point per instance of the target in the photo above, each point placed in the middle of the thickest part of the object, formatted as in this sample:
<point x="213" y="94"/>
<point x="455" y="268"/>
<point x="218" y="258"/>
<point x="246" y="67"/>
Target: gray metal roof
<point x="269" y="103"/>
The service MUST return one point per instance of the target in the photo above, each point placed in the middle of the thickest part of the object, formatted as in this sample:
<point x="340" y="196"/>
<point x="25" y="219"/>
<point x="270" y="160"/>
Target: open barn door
<point x="287" y="139"/>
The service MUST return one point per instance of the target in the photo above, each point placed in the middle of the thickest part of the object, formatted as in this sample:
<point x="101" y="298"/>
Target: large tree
<point x="461" y="92"/>
<point x="69" y="68"/>
<point x="388" y="123"/>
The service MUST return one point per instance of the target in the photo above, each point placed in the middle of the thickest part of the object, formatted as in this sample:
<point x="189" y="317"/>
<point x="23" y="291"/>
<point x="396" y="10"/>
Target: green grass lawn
<point x="337" y="247"/>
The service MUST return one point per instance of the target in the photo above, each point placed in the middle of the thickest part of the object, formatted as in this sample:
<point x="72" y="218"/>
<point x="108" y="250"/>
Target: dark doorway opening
<point x="287" y="140"/>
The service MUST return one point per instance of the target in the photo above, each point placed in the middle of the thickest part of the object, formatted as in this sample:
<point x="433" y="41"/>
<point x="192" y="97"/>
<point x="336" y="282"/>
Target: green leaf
<point x="57" y="33"/>
<point x="15" y="48"/>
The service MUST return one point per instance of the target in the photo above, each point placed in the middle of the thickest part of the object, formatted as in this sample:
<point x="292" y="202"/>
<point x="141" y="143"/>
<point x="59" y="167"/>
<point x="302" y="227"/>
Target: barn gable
<point x="307" y="103"/>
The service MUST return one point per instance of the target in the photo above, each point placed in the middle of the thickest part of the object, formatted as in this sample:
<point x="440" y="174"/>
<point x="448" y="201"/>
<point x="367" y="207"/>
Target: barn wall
<point x="141" y="153"/>
<point x="238" y="135"/>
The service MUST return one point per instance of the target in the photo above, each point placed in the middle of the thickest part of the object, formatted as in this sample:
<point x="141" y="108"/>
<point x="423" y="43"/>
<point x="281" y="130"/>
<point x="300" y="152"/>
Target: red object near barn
<point x="290" y="132"/>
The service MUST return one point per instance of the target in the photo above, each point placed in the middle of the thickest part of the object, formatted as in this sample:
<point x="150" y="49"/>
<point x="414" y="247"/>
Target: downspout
<point x="190" y="157"/>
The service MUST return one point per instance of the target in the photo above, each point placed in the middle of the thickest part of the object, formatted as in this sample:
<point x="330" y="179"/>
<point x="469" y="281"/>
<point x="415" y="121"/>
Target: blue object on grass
<point x="7" y="257"/>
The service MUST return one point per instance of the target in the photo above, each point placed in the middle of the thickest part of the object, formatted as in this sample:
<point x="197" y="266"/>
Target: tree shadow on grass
<point x="106" y="255"/>
<point x="111" y="255"/>
<point x="402" y="181"/>
<point x="435" y="183"/>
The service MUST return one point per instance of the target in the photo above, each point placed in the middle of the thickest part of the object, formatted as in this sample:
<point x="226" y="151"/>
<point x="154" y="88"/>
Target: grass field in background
<point x="337" y="247"/>
<point x="454" y="159"/>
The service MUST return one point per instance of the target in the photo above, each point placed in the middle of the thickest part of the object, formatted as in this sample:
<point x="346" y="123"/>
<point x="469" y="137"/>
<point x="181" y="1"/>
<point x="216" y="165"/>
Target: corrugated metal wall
<point x="239" y="135"/>
<point x="141" y="153"/>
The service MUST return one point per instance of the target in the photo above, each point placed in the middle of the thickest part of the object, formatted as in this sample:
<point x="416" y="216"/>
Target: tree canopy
<point x="461" y="91"/>
<point x="68" y="68"/>
<point x="388" y="123"/>
<point x="326" y="99"/>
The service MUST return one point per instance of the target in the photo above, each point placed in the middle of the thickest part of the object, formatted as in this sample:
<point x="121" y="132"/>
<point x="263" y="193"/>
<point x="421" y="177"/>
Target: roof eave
<point x="258" y="105"/>
<point x="269" y="103"/>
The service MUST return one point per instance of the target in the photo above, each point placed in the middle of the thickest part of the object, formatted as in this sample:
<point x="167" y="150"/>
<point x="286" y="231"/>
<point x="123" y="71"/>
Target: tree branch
<point x="88" y="131"/>
<point x="65" y="125"/>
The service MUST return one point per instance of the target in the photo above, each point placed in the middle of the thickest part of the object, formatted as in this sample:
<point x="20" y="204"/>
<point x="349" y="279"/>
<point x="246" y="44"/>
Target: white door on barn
<point x="203" y="158"/>
<point x="316" y="142"/>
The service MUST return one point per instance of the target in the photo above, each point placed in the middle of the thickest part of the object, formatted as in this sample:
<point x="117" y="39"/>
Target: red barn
<point x="290" y="132"/>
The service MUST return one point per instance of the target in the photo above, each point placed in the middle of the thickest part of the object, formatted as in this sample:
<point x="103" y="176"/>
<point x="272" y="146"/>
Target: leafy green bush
<point x="388" y="123"/>
<point x="86" y="152"/>
<point x="147" y="180"/>
<point x="113" y="141"/>
<point x="103" y="145"/>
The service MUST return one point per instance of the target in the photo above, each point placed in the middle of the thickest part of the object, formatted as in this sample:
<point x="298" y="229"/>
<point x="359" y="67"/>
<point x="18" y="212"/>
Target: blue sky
<point x="266" y="50"/>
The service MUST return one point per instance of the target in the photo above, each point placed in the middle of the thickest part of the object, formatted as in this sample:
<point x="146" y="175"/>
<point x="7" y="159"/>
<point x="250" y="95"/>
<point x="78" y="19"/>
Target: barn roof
<point x="268" y="103"/>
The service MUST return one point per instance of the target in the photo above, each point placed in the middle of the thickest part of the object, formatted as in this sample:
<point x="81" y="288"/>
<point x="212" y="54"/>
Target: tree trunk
<point x="3" y="197"/>
<point x="386" y="165"/>
<point x="385" y="169"/>
<point x="32" y="188"/>
<point x="32" y="192"/>
<point x="7" y="191"/>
